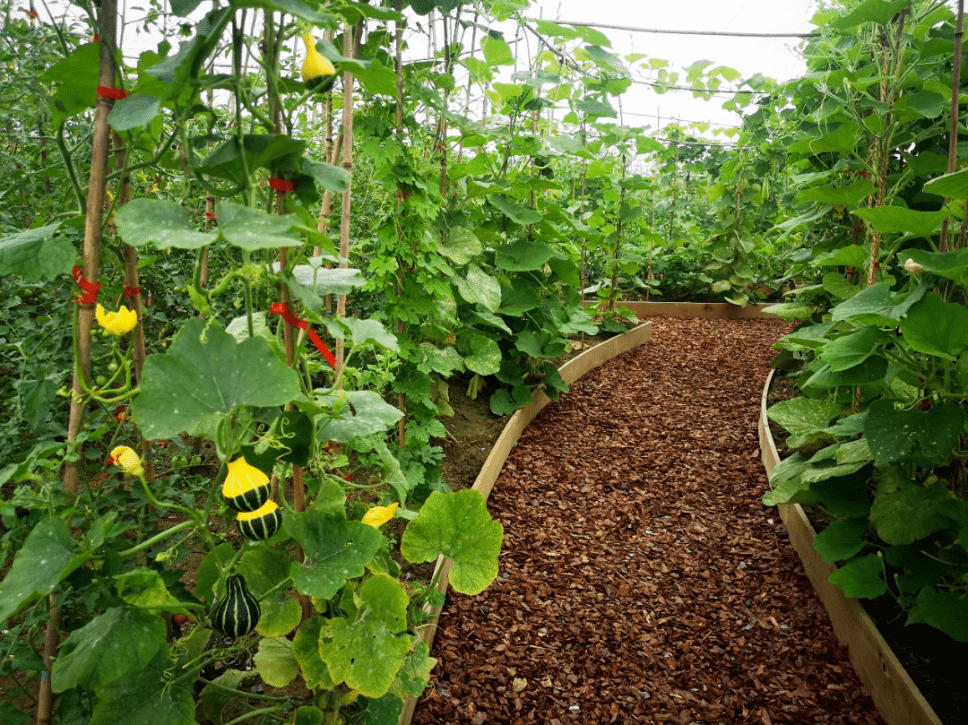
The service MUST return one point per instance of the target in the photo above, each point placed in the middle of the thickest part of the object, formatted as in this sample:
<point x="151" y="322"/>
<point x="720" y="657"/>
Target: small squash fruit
<point x="262" y="523"/>
<point x="246" y="488"/>
<point x="316" y="67"/>
<point x="238" y="612"/>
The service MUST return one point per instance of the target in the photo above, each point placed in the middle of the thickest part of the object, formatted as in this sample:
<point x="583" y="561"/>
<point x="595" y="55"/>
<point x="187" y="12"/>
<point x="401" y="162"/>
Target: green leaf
<point x="876" y="305"/>
<point x="309" y="715"/>
<point x="387" y="600"/>
<point x="36" y="255"/>
<point x="262" y="150"/>
<point x="517" y="300"/>
<point x="360" y="413"/>
<point x="849" y="196"/>
<point x="145" y="697"/>
<point x="853" y="349"/>
<point x="305" y="646"/>
<point x="845" y="495"/>
<point x="523" y="256"/>
<point x="43" y="562"/>
<point x="329" y="177"/>
<point x="214" y="700"/>
<point x="386" y="710"/>
<point x="322" y="281"/>
<point x="462" y="246"/>
<point x="164" y="223"/>
<point x="253" y="229"/>
<point x="377" y="79"/>
<point x="12" y="716"/>
<point x="364" y="654"/>
<point x="336" y="551"/>
<point x="416" y="669"/>
<point x="905" y="511"/>
<point x="275" y="661"/>
<point x="458" y="526"/>
<point x="950" y="265"/>
<point x="923" y="438"/>
<point x="134" y="111"/>
<point x="891" y="219"/>
<point x="870" y="11"/>
<point x="496" y="51"/>
<point x="363" y="331"/>
<point x="804" y="418"/>
<point x="517" y="213"/>
<point x="861" y="578"/>
<point x="279" y="616"/>
<point x="936" y="327"/>
<point x="841" y="540"/>
<point x="479" y="288"/>
<point x="505" y="403"/>
<point x="949" y="186"/>
<point x="204" y="376"/>
<point x="293" y="7"/>
<point x="485" y="354"/>
<point x="947" y="611"/>
<point x="926" y="104"/>
<point x="107" y="648"/>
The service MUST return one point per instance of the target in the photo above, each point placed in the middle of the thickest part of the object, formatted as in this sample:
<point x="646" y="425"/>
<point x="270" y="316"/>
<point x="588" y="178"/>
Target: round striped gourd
<point x="246" y="488"/>
<point x="259" y="525"/>
<point x="238" y="612"/>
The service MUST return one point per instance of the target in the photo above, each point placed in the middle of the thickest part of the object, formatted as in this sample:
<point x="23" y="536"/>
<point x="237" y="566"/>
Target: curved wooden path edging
<point x="570" y="371"/>
<point x="706" y="310"/>
<point x="897" y="698"/>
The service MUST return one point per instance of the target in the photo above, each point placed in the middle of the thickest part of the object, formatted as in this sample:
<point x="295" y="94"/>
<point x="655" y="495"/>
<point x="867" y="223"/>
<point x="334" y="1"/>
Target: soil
<point x="642" y="580"/>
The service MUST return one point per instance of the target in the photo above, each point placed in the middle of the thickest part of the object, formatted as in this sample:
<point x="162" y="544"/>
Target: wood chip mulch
<point x="642" y="580"/>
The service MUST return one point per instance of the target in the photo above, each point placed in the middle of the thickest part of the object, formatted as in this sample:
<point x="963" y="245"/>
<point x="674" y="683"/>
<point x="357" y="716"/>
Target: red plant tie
<point x="131" y="291"/>
<point x="282" y="185"/>
<point x="95" y="38"/>
<point x="116" y="93"/>
<point x="282" y="309"/>
<point x="209" y="215"/>
<point x="89" y="288"/>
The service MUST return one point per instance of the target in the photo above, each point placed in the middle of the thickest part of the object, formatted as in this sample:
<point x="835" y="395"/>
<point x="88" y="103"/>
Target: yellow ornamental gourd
<point x="117" y="323"/>
<point x="259" y="525"/>
<point x="316" y="67"/>
<point x="246" y="488"/>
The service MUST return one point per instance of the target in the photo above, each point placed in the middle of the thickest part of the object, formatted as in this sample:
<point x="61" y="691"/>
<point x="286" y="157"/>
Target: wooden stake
<point x="344" y="235"/>
<point x="943" y="245"/>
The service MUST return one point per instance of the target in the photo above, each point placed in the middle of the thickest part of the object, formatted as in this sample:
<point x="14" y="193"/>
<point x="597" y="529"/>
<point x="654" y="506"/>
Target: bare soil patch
<point x="642" y="580"/>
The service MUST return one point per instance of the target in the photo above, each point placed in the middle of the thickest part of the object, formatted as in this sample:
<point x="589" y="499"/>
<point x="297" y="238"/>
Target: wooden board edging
<point x="570" y="372"/>
<point x="895" y="695"/>
<point x="706" y="310"/>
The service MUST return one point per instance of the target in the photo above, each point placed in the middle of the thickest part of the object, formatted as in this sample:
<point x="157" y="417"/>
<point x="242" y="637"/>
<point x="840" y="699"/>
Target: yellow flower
<point x="117" y="323"/>
<point x="316" y="64"/>
<point x="128" y="460"/>
<point x="379" y="515"/>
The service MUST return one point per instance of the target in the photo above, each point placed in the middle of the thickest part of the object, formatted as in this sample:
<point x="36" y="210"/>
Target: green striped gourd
<point x="259" y="525"/>
<point x="238" y="612"/>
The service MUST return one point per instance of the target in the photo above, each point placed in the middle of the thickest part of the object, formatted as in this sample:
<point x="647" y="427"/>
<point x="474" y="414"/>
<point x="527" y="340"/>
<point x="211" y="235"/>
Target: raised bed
<point x="570" y="371"/>
<point x="705" y="310"/>
<point x="897" y="698"/>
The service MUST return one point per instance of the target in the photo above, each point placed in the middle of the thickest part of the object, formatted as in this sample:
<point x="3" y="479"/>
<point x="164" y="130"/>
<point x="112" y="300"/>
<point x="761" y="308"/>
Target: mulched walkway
<point x="642" y="580"/>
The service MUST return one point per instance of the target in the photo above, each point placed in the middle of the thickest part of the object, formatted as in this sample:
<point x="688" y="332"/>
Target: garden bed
<point x="912" y="671"/>
<point x="641" y="579"/>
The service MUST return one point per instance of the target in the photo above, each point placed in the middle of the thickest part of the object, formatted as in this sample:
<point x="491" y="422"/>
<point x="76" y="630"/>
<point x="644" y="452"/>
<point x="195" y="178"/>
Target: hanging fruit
<point x="318" y="71"/>
<point x="259" y="525"/>
<point x="246" y="488"/>
<point x="238" y="612"/>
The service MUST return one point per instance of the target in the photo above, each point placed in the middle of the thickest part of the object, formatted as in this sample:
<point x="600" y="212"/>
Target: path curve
<point x="642" y="580"/>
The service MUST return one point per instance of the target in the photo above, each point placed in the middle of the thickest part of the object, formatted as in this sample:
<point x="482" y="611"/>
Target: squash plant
<point x="879" y="436"/>
<point x="315" y="579"/>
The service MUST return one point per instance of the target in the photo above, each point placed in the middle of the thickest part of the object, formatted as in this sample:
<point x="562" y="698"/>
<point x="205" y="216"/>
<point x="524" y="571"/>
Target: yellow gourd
<point x="316" y="65"/>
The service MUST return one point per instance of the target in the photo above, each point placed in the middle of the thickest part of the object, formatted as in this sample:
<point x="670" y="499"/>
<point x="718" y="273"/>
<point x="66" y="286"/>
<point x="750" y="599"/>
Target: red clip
<point x="131" y="291"/>
<point x="282" y="185"/>
<point x="209" y="215"/>
<point x="96" y="37"/>
<point x="116" y="93"/>
<point x="90" y="288"/>
<point x="282" y="309"/>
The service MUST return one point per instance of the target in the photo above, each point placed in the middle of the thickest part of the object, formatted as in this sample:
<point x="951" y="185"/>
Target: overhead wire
<point x="717" y="33"/>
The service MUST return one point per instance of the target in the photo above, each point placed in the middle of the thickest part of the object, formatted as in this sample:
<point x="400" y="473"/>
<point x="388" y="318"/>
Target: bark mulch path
<point x="642" y="580"/>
